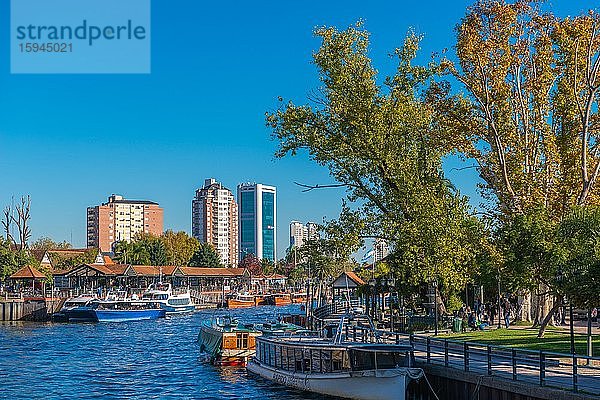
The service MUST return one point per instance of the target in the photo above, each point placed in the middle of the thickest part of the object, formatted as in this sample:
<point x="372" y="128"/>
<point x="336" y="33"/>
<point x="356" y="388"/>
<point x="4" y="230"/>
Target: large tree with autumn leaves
<point x="526" y="111"/>
<point x="526" y="108"/>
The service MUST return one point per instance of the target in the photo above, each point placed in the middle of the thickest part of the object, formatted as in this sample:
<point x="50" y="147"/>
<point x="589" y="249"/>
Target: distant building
<point x="121" y="219"/>
<point x="215" y="220"/>
<point x="257" y="220"/>
<point x="381" y="248"/>
<point x="300" y="233"/>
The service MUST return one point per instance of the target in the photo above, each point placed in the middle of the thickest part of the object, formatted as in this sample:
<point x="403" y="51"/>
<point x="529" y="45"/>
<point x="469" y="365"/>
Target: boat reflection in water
<point x="336" y="367"/>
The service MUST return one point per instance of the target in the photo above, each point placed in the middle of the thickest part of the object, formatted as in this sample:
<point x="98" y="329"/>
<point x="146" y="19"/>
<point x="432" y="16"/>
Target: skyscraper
<point x="215" y="220"/>
<point x="258" y="219"/>
<point x="121" y="219"/>
<point x="300" y="233"/>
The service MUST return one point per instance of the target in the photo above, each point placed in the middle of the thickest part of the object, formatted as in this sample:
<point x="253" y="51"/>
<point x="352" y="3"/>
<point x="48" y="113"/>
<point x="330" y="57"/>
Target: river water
<point x="129" y="360"/>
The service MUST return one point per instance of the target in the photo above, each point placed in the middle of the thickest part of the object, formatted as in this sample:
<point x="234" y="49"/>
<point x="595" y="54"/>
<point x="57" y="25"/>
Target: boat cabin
<point x="319" y="356"/>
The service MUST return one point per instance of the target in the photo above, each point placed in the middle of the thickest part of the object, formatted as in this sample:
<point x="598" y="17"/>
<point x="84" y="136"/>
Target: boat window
<point x="389" y="360"/>
<point x="242" y="340"/>
<point x="339" y="360"/>
<point x="298" y="360"/>
<point x="306" y="361"/>
<point x="261" y="352"/>
<point x="325" y="361"/>
<point x="362" y="360"/>
<point x="271" y="354"/>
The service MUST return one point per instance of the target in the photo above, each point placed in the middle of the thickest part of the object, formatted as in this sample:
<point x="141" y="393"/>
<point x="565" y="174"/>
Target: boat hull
<point x="178" y="309"/>
<point x="234" y="303"/>
<point x="351" y="385"/>
<point x="129" y="315"/>
<point x="283" y="300"/>
<point x="80" y="314"/>
<point x="222" y="348"/>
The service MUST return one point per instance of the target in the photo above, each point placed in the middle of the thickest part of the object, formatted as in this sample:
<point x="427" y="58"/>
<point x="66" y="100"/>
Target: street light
<point x="435" y="307"/>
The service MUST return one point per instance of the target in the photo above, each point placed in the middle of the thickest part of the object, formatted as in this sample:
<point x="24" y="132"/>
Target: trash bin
<point x="457" y="325"/>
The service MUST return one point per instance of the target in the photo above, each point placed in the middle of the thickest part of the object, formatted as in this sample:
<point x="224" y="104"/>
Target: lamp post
<point x="499" y="308"/>
<point x="435" y="305"/>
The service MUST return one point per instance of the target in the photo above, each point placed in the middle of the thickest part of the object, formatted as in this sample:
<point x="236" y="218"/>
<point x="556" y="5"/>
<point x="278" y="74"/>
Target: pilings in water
<point x="28" y="310"/>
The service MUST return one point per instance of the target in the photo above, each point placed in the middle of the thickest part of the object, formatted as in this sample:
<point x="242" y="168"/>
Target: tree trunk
<point x="548" y="317"/>
<point x="524" y="313"/>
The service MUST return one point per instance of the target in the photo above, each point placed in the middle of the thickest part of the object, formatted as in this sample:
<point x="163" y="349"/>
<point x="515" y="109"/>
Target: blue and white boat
<point x="128" y="310"/>
<point x="162" y="293"/>
<point x="78" y="309"/>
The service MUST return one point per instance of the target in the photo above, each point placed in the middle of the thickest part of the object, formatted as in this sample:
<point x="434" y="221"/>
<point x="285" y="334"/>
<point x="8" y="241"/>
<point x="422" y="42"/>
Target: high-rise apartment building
<point x="215" y="220"/>
<point x="121" y="219"/>
<point x="257" y="220"/>
<point x="381" y="248"/>
<point x="300" y="233"/>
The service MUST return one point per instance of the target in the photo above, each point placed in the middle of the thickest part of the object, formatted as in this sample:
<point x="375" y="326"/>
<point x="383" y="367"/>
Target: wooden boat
<point x="282" y="299"/>
<point x="261" y="300"/>
<point x="241" y="301"/>
<point x="361" y="371"/>
<point x="227" y="342"/>
<point x="299" y="298"/>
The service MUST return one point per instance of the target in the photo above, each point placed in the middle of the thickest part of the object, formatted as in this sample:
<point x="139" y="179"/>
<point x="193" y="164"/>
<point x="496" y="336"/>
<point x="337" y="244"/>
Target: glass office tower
<point x="257" y="220"/>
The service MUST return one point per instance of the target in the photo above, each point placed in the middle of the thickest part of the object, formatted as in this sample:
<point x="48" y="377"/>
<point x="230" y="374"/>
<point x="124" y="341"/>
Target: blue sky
<point x="71" y="140"/>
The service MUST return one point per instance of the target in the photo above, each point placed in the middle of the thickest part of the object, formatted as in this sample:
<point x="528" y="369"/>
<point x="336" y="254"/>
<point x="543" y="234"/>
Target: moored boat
<point x="282" y="299"/>
<point x="128" y="310"/>
<point x="261" y="300"/>
<point x="299" y="298"/>
<point x="241" y="301"/>
<point x="173" y="303"/>
<point x="226" y="341"/>
<point x="78" y="309"/>
<point x="352" y="370"/>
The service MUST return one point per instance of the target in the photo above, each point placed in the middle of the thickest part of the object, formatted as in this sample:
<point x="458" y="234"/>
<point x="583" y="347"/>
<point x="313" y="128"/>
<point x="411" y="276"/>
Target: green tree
<point x="45" y="243"/>
<point x="12" y="259"/>
<point x="134" y="252"/>
<point x="179" y="247"/>
<point x="381" y="143"/>
<point x="579" y="238"/>
<point x="68" y="261"/>
<point x="526" y="109"/>
<point x="206" y="256"/>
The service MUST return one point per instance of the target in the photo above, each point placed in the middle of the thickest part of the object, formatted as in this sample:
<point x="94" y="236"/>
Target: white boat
<point x="361" y="371"/>
<point x="172" y="303"/>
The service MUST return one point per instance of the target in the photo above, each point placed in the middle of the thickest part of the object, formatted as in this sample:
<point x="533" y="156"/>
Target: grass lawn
<point x="527" y="339"/>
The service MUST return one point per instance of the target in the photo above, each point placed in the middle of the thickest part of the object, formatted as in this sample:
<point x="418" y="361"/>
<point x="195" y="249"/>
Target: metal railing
<point x="575" y="373"/>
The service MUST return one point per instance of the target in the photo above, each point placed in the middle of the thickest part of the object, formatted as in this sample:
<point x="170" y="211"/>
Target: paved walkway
<point x="557" y="370"/>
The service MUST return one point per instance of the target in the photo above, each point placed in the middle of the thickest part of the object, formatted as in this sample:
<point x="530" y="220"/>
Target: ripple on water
<point x="130" y="360"/>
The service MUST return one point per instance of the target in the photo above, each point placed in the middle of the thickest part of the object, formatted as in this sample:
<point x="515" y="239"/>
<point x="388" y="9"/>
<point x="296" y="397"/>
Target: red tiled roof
<point x="38" y="254"/>
<point x="217" y="272"/>
<point x="27" y="272"/>
<point x="151" y="270"/>
<point x="355" y="278"/>
<point x="108" y="260"/>
<point x="70" y="252"/>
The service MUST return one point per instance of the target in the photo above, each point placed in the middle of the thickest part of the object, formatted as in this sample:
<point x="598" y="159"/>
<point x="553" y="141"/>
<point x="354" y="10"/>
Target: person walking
<point x="507" y="310"/>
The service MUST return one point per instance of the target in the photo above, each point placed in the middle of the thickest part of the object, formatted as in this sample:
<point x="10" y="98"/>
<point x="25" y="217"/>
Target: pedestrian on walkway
<point x="507" y="309"/>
